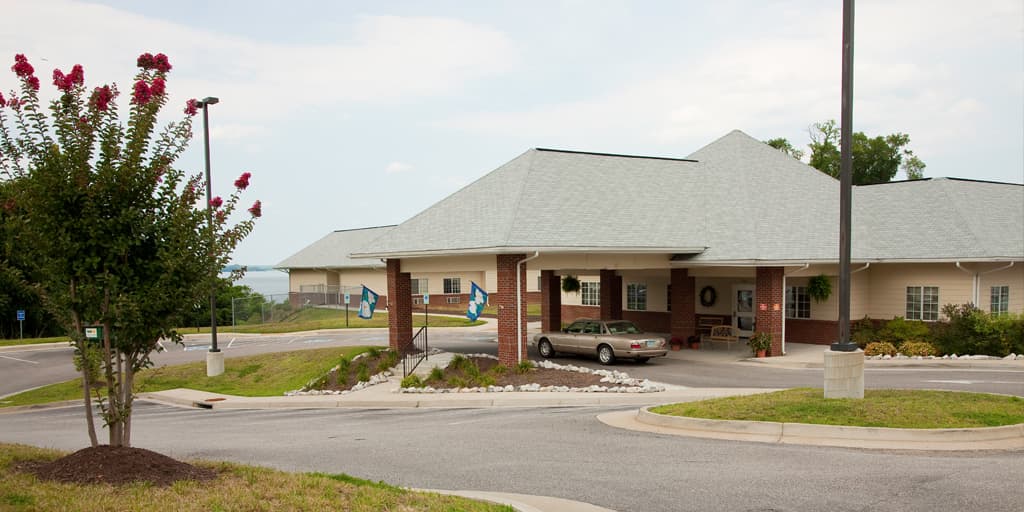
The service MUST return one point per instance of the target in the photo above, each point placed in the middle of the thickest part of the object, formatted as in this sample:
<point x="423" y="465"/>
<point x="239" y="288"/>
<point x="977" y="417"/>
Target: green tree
<point x="875" y="159"/>
<point x="783" y="145"/>
<point x="113" y="234"/>
<point x="228" y="308"/>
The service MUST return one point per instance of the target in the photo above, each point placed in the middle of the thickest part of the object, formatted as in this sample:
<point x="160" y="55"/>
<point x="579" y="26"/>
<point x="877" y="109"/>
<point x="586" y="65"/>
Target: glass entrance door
<point x="743" y="312"/>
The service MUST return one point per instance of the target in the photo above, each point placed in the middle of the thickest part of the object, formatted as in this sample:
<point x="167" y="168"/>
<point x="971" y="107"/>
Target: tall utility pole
<point x="843" y="344"/>
<point x="214" y="358"/>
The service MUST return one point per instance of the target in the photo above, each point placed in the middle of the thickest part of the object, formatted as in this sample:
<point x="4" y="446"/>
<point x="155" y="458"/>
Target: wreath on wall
<point x="708" y="295"/>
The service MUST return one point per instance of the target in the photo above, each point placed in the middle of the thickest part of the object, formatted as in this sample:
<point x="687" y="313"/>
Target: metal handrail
<point x="415" y="352"/>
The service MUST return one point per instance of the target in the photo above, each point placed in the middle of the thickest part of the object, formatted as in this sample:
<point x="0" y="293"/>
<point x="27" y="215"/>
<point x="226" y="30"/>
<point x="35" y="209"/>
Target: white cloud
<point x="398" y="167"/>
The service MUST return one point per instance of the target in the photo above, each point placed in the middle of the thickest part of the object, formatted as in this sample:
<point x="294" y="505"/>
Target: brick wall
<point x="650" y="321"/>
<point x="505" y="300"/>
<point x="816" y="332"/>
<point x="611" y="295"/>
<point x="768" y="293"/>
<point x="550" y="301"/>
<point x="400" y="307"/>
<point x="683" y="317"/>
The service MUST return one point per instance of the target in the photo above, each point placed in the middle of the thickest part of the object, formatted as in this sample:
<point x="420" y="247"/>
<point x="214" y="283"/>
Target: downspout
<point x="974" y="284"/>
<point x="801" y="269"/>
<point x="519" y="306"/>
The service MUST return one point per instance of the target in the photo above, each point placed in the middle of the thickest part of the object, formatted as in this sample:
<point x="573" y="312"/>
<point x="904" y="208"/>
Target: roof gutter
<point x="519" y="306"/>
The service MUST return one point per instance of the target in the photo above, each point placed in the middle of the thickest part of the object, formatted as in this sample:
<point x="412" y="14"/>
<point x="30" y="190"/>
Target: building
<point x="736" y="230"/>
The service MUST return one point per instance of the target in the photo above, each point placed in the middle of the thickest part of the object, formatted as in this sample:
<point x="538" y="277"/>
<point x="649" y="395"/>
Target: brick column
<point x="399" y="306"/>
<point x="611" y="295"/>
<point x="506" y="302"/>
<point x="684" y="312"/>
<point x="768" y="292"/>
<point x="550" y="301"/>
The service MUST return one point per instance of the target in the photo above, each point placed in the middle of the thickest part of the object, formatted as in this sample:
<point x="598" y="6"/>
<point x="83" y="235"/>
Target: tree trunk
<point x="86" y="380"/>
<point x="128" y="386"/>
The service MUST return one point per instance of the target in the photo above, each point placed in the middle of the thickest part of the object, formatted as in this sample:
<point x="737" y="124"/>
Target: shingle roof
<point x="737" y="200"/>
<point x="332" y="251"/>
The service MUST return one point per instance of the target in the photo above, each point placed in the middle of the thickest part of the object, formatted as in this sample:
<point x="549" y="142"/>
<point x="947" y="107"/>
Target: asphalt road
<point x="34" y="366"/>
<point x="562" y="452"/>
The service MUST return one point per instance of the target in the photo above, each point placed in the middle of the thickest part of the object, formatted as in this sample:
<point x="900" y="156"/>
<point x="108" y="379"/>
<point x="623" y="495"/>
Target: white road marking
<point x="22" y="360"/>
<point x="290" y="341"/>
<point x="974" y="382"/>
<point x="230" y="342"/>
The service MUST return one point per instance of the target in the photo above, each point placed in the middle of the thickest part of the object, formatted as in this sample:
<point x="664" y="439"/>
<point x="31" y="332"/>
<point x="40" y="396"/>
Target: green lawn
<point x="312" y="319"/>
<point x="259" y="375"/>
<point x="237" y="487"/>
<point x="879" y="408"/>
<point x="34" y="341"/>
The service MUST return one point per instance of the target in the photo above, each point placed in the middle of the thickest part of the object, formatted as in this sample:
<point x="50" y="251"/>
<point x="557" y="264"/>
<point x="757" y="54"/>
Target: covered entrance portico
<point x="644" y="288"/>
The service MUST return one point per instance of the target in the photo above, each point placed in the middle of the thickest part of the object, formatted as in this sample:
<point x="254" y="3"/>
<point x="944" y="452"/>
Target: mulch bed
<point x="337" y="382"/>
<point x="542" y="376"/>
<point x="117" y="466"/>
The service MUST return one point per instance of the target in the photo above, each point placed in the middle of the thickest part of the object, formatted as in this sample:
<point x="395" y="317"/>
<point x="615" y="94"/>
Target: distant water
<point x="266" y="282"/>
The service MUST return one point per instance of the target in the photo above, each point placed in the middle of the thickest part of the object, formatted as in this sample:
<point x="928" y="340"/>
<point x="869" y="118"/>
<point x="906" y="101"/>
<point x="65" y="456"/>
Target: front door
<point x="743" y="313"/>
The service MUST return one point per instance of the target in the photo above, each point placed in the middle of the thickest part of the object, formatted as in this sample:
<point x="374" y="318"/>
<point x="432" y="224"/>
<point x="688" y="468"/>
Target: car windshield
<point x="622" y="328"/>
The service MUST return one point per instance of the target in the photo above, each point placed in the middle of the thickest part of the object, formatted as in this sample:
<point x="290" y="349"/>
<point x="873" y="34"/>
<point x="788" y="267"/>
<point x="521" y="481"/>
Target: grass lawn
<point x="259" y="375"/>
<point x="879" y="408"/>
<point x="34" y="341"/>
<point x="237" y="488"/>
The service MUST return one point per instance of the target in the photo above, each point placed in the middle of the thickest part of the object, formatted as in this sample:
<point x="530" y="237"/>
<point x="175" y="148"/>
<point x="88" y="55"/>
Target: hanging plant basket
<point x="570" y="284"/>
<point x="819" y="288"/>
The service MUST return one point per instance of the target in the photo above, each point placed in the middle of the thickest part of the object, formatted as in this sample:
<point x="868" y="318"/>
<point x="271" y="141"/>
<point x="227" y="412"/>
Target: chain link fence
<point x="284" y="307"/>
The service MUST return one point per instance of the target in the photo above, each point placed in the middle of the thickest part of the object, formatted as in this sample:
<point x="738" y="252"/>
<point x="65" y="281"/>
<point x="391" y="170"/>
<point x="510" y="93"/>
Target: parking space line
<point x="232" y="341"/>
<point x="22" y="360"/>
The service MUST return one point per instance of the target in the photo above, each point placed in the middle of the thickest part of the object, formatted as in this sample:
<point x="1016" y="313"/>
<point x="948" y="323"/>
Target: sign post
<point x="347" y="298"/>
<point x="426" y="310"/>
<point x="21" y="324"/>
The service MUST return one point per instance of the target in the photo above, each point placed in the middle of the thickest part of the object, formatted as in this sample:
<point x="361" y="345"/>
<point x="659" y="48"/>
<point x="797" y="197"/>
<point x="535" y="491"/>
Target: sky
<point x="355" y="114"/>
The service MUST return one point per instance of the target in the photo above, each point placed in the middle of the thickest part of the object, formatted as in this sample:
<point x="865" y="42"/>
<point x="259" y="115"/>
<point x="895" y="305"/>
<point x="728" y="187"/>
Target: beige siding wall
<point x="1012" y="277"/>
<point x="374" y="279"/>
<point x="888" y="286"/>
<point x="657" y="282"/>
<point x="723" y="293"/>
<point x="297" y="278"/>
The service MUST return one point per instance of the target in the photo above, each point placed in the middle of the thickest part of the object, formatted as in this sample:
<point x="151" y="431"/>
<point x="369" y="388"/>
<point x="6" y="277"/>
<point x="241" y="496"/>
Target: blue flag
<point x="477" y="301"/>
<point x="368" y="303"/>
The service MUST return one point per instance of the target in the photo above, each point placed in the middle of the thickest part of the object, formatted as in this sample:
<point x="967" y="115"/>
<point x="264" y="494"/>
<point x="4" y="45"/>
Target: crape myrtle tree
<point x="113" y="234"/>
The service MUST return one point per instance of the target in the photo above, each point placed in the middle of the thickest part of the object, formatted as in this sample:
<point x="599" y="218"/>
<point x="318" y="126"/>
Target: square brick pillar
<point x="508" y="347"/>
<point x="684" y="312"/>
<point x="768" y="305"/>
<point x="399" y="307"/>
<point x="611" y="295"/>
<point x="550" y="301"/>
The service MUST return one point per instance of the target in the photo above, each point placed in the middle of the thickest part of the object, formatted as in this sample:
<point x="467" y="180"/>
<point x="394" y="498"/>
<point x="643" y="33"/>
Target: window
<point x="454" y="300"/>
<point x="591" y="293"/>
<point x="576" y="327"/>
<point x="452" y="285"/>
<point x="923" y="303"/>
<point x="419" y="286"/>
<point x="1000" y="300"/>
<point x="636" y="296"/>
<point x="798" y="302"/>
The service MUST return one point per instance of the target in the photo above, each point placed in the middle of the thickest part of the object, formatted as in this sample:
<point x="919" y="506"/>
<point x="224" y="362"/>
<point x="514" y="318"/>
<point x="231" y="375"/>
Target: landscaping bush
<point x="863" y="332"/>
<point x="436" y="374"/>
<point x="918" y="348"/>
<point x="969" y="330"/>
<point x="898" y="331"/>
<point x="412" y="381"/>
<point x="880" y="348"/>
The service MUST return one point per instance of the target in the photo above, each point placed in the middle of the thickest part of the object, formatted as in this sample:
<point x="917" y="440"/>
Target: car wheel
<point x="545" y="349"/>
<point x="642" y="360"/>
<point x="605" y="354"/>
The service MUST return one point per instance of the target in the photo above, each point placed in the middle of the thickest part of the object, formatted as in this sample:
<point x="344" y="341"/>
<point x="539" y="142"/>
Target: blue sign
<point x="426" y="298"/>
<point x="21" y="315"/>
<point x="348" y="297"/>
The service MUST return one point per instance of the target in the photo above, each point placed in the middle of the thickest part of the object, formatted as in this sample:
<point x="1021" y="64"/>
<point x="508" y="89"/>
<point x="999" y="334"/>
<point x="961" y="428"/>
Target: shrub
<point x="499" y="369"/>
<point x="343" y="367"/>
<point x="863" y="332"/>
<point x="388" y="360"/>
<point x="457" y="362"/>
<point x="524" y="366"/>
<point x="374" y="352"/>
<point x="487" y="380"/>
<point x="899" y="330"/>
<point x="458" y="382"/>
<point x="918" y="348"/>
<point x="969" y="330"/>
<point x="436" y="374"/>
<point x="880" y="348"/>
<point x="412" y="381"/>
<point x="363" y="372"/>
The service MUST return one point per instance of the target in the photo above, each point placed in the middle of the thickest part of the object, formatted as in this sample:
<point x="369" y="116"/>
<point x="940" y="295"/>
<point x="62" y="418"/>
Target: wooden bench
<point x="704" y="325"/>
<point x="723" y="334"/>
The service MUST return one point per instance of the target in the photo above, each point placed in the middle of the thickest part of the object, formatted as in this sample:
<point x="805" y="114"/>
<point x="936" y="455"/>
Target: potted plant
<point x="694" y="342"/>
<point x="676" y="342"/>
<point x="759" y="343"/>
<point x="570" y="284"/>
<point x="819" y="288"/>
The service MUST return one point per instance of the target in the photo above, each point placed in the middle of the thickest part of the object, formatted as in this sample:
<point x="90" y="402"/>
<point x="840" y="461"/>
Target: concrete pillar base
<point x="844" y="374"/>
<point x="214" y="363"/>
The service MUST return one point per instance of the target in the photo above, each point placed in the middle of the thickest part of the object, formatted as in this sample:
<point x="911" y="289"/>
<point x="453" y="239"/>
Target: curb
<point x="524" y="502"/>
<point x="1008" y="437"/>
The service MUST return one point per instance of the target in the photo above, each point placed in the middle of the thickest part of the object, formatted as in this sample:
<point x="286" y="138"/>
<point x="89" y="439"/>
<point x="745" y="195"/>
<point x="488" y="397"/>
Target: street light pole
<point x="214" y="358"/>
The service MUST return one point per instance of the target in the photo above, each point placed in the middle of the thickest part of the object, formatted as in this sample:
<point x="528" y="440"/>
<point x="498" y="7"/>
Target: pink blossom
<point x="257" y="209"/>
<point x="141" y="93"/>
<point x="61" y="81"/>
<point x="157" y="88"/>
<point x="101" y="97"/>
<point x="21" y="66"/>
<point x="243" y="181"/>
<point x="160" y="63"/>
<point x="3" y="102"/>
<point x="191" y="107"/>
<point x="77" y="75"/>
<point x="145" y="61"/>
<point x="220" y="216"/>
<point x="216" y="202"/>
<point x="32" y="82"/>
<point x="14" y="103"/>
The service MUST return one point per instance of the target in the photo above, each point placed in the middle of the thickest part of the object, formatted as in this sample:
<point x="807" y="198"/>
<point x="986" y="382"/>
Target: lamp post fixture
<point x="214" y="358"/>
